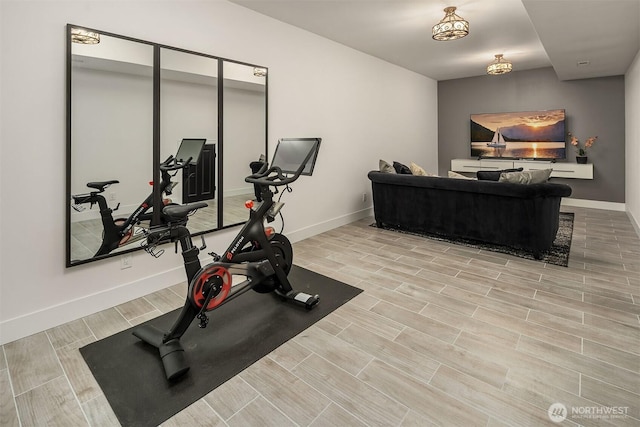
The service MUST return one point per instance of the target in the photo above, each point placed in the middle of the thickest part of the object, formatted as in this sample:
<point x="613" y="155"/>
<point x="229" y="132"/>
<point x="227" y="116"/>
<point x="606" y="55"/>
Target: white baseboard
<point x="635" y="224"/>
<point x="239" y="192"/>
<point x="594" y="204"/>
<point x="312" y="230"/>
<point x="41" y="320"/>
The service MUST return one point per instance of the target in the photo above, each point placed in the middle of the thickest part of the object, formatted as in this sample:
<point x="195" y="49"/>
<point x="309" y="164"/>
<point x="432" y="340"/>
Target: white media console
<point x="560" y="169"/>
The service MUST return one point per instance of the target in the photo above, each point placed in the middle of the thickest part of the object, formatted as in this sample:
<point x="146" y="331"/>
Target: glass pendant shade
<point x="499" y="66"/>
<point x="451" y="27"/>
<point x="82" y="36"/>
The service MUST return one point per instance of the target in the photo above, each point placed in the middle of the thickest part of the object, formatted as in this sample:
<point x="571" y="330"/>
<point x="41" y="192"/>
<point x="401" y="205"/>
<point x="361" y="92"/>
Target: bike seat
<point x="178" y="212"/>
<point x="101" y="185"/>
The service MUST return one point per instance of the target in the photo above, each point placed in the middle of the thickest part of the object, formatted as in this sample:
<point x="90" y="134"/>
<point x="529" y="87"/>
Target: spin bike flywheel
<point x="214" y="279"/>
<point x="284" y="253"/>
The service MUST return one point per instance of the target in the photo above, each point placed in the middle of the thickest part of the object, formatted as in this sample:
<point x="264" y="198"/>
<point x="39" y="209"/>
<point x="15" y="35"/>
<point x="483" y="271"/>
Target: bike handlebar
<point x="276" y="180"/>
<point x="265" y="176"/>
<point x="172" y="164"/>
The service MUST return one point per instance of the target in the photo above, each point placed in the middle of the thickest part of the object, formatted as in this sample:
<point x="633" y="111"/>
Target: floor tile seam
<point x="465" y="328"/>
<point x="468" y="402"/>
<point x="533" y="377"/>
<point x="517" y="329"/>
<point x="592" y="356"/>
<point x="635" y="331"/>
<point x="581" y="337"/>
<point x="70" y="345"/>
<point x="614" y="300"/>
<point x="11" y="387"/>
<point x="588" y="307"/>
<point x="123" y="316"/>
<point x="604" y="277"/>
<point x="63" y="374"/>
<point x="615" y="386"/>
<point x="622" y="273"/>
<point x="588" y="290"/>
<point x="583" y="359"/>
<point x="374" y="357"/>
<point x="346" y="373"/>
<point x="256" y="397"/>
<point x="405" y="326"/>
<point x="260" y="394"/>
<point x="531" y="300"/>
<point x="445" y="344"/>
<point x="93" y="334"/>
<point x="579" y="396"/>
<point x="152" y="304"/>
<point x="133" y="321"/>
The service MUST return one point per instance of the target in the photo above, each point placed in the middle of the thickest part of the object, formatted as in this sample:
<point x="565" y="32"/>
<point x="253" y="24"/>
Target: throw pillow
<point x="457" y="175"/>
<point x="386" y="167"/>
<point x="402" y="169"/>
<point x="494" y="175"/>
<point x="417" y="170"/>
<point x="526" y="177"/>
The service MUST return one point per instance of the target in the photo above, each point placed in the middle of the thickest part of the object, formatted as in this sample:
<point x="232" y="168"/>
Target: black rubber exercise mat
<point x="239" y="333"/>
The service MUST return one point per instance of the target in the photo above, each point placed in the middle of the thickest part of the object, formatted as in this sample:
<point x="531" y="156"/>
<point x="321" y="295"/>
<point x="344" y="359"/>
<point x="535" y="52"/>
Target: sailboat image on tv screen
<point x="497" y="141"/>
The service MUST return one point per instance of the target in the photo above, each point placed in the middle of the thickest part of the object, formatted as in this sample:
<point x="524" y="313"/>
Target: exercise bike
<point x="259" y="254"/>
<point x="122" y="231"/>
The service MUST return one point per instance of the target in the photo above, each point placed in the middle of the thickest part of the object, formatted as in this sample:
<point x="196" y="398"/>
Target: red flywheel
<point x="215" y="276"/>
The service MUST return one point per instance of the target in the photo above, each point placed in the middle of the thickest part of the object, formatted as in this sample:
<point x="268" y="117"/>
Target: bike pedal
<point x="309" y="301"/>
<point x="204" y="320"/>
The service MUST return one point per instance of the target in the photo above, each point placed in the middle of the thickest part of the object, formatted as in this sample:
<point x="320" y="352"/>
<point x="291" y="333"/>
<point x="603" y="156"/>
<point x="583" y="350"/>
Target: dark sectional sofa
<point x="515" y="215"/>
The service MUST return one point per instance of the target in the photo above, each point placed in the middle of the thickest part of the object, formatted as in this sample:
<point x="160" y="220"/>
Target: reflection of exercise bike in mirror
<point x="263" y="257"/>
<point x="122" y="231"/>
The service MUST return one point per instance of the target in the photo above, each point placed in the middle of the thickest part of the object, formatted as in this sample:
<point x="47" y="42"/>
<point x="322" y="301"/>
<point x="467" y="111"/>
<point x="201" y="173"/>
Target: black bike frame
<point x="113" y="233"/>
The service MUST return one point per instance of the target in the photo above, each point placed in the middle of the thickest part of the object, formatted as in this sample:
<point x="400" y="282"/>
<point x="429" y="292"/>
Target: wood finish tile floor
<point x="441" y="335"/>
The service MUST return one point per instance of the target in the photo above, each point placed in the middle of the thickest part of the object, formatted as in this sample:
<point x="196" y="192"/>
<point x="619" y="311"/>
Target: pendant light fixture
<point x="499" y="66"/>
<point x="82" y="36"/>
<point x="259" y="72"/>
<point x="451" y="27"/>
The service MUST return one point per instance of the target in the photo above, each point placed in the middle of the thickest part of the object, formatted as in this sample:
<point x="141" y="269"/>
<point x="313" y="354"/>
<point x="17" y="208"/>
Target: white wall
<point x="632" y="136"/>
<point x="363" y="108"/>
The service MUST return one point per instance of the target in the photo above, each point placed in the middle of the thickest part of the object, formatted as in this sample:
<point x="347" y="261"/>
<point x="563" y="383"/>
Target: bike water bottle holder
<point x="155" y="238"/>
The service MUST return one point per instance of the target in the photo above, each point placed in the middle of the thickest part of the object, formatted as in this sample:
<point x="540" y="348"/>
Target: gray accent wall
<point x="593" y="107"/>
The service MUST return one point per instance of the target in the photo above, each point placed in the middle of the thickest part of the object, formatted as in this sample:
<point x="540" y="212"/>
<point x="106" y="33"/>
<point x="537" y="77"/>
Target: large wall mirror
<point x="130" y="104"/>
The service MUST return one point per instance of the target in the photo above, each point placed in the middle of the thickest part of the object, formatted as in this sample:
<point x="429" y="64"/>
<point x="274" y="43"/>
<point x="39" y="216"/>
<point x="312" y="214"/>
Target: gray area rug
<point x="558" y="254"/>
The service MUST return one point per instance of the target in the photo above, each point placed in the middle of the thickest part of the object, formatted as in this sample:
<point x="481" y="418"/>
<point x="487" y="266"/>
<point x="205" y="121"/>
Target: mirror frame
<point x="156" y="140"/>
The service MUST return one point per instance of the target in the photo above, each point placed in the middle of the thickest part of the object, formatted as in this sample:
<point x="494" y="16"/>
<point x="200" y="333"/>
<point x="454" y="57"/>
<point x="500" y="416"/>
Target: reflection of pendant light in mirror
<point x="82" y="36"/>
<point x="451" y="27"/>
<point x="499" y="66"/>
<point x="260" y="72"/>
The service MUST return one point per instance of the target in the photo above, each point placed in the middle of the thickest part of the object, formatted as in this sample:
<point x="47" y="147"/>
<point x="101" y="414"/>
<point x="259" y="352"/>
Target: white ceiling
<point x="530" y="33"/>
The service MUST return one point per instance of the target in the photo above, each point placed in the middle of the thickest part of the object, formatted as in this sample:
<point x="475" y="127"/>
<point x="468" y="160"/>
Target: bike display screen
<point x="190" y="148"/>
<point x="291" y="153"/>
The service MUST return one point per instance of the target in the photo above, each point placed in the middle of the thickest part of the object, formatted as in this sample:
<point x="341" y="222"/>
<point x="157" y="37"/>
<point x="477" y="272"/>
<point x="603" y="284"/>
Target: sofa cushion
<point x="494" y="175"/>
<point x="385" y="167"/>
<point x="526" y="177"/>
<point x="473" y="186"/>
<point x="401" y="169"/>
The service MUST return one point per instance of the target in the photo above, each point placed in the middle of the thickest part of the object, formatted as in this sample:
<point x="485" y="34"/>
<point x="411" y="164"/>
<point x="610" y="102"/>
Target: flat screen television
<point x="520" y="135"/>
